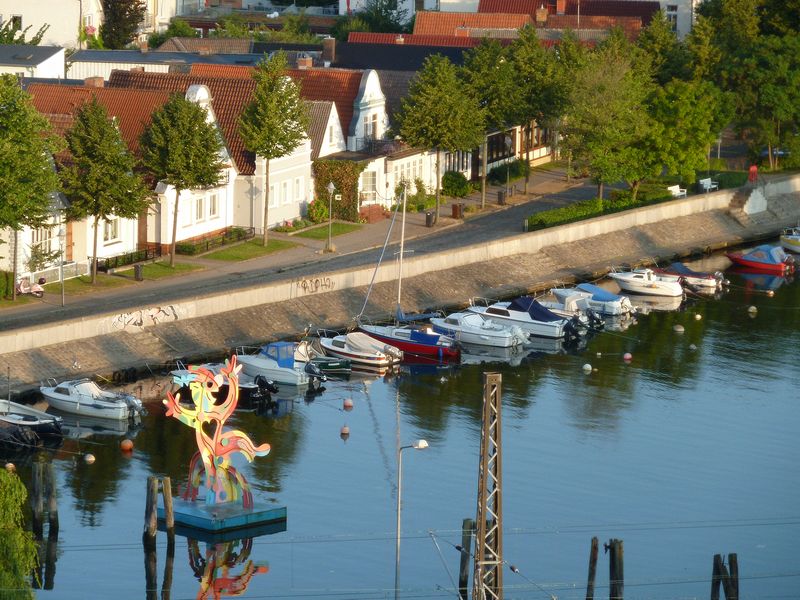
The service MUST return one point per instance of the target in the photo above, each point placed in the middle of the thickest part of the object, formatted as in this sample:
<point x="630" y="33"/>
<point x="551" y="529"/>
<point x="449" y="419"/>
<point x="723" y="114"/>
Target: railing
<point x="371" y="145"/>
<point x="229" y="236"/>
<point x="52" y="273"/>
<point x="108" y="263"/>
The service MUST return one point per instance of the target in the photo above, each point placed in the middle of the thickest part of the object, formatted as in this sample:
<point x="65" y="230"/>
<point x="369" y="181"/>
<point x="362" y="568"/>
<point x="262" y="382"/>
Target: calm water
<point x="682" y="454"/>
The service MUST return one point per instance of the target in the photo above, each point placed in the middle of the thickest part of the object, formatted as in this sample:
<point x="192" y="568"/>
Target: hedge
<point x="516" y="169"/>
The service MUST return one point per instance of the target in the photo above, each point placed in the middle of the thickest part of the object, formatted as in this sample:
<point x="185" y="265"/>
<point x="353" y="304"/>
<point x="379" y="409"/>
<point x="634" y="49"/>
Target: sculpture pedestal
<point x="221" y="522"/>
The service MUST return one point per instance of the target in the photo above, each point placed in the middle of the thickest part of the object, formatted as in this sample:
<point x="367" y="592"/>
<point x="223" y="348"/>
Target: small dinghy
<point x="38" y="421"/>
<point x="764" y="258"/>
<point x="698" y="281"/>
<point x="362" y="350"/>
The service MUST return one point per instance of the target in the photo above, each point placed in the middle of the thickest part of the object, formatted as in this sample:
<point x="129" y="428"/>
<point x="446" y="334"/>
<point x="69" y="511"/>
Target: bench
<point x="677" y="191"/>
<point x="706" y="185"/>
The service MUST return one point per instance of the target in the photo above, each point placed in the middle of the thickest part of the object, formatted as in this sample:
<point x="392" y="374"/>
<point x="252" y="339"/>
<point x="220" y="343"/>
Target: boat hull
<point x="775" y="268"/>
<point x="87" y="408"/>
<point x="413" y="349"/>
<point x="381" y="362"/>
<point x="660" y="288"/>
<point x="253" y="366"/>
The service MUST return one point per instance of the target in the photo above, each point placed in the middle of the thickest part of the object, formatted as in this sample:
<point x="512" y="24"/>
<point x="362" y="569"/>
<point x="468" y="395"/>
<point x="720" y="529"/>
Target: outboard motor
<point x="135" y="406"/>
<point x="571" y="329"/>
<point x="265" y="386"/>
<point x="595" y="320"/>
<point x="317" y="376"/>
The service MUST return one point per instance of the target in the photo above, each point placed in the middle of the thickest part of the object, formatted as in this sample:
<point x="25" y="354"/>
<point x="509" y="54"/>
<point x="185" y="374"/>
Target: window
<point x="371" y="126"/>
<point x="273" y="199"/>
<point x="213" y="206"/>
<point x="200" y="209"/>
<point x="16" y="21"/>
<point x="42" y="236"/>
<point x="331" y="138"/>
<point x="299" y="195"/>
<point x="287" y="197"/>
<point x="111" y="230"/>
<point x="375" y="126"/>
<point x="672" y="16"/>
<point x="369" y="184"/>
<point x="87" y="20"/>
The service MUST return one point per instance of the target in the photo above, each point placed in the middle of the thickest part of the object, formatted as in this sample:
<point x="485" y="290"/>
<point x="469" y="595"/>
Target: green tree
<point x="99" y="179"/>
<point x="17" y="547"/>
<point x="11" y="34"/>
<point x="27" y="177"/>
<point x="440" y="113"/>
<point x="780" y="17"/>
<point x="276" y="120"/>
<point x="347" y="23"/>
<point x="121" y="21"/>
<point x="234" y="26"/>
<point x="182" y="149"/>
<point x="384" y="15"/>
<point x="736" y="22"/>
<point x="704" y="54"/>
<point x="177" y="28"/>
<point x="489" y="75"/>
<point x="668" y="57"/>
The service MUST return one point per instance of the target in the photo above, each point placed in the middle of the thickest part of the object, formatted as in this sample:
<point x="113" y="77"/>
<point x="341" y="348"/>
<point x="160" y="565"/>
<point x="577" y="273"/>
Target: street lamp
<point x="330" y="188"/>
<point x="416" y="445"/>
<point x="508" y="158"/>
<point x="62" y="236"/>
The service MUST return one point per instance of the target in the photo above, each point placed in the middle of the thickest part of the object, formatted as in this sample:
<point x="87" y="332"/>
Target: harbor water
<point x="688" y="450"/>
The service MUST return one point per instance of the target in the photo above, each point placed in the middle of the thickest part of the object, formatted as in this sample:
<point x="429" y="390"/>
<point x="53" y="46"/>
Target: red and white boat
<point x="362" y="350"/>
<point x="764" y="258"/>
<point x="415" y="341"/>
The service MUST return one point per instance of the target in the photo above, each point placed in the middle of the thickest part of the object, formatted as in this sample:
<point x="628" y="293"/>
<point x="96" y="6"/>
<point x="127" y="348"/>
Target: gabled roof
<point x="132" y="109"/>
<point x="319" y="113"/>
<point x="211" y="45"/>
<point x="412" y="39"/>
<point x="395" y="87"/>
<point x="644" y="9"/>
<point x="391" y="57"/>
<point x="26" y="55"/>
<point x="453" y="23"/>
<point x="337" y="85"/>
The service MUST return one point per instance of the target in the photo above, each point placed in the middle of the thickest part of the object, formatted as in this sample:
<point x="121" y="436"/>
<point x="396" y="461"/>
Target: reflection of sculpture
<point x="213" y="570"/>
<point x="223" y="483"/>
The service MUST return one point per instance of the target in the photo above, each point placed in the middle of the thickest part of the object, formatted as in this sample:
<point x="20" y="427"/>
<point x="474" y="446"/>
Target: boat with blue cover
<point x="603" y="302"/>
<point x="764" y="258"/>
<point x="276" y="362"/>
<point x="528" y="314"/>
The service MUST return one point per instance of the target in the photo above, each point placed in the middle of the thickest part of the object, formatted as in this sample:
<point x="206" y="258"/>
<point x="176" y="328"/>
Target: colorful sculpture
<point x="215" y="569"/>
<point x="223" y="483"/>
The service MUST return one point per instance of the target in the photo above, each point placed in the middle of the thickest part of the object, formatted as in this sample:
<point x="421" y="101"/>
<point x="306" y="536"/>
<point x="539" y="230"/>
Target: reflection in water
<point x="225" y="569"/>
<point x="43" y="500"/>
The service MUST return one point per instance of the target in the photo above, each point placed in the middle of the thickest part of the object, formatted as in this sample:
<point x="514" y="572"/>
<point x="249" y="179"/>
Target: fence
<point x="229" y="236"/>
<point x="72" y="269"/>
<point x="121" y="260"/>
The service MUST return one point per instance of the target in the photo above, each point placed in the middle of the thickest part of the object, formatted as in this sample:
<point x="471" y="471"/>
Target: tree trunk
<point x="635" y="189"/>
<point x="266" y="201"/>
<point x="436" y="216"/>
<point x="14" y="269"/>
<point x="94" y="251"/>
<point x="484" y="150"/>
<point x="174" y="228"/>
<point x="600" y="189"/>
<point x="527" y="156"/>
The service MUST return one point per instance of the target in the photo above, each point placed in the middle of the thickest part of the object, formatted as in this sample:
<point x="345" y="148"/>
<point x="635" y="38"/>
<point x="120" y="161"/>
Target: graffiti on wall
<point x="312" y="285"/>
<point x="145" y="317"/>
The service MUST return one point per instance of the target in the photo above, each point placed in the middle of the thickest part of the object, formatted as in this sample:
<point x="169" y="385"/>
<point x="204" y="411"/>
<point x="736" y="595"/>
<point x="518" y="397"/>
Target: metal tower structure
<point x="487" y="583"/>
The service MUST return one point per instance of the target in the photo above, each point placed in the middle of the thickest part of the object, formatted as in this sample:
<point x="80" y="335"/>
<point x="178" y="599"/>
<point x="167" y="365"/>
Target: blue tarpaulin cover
<point x="423" y="337"/>
<point x="534" y="309"/>
<point x="598" y="293"/>
<point x="282" y="352"/>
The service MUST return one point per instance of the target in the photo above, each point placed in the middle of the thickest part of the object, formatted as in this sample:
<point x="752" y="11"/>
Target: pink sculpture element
<point x="222" y="481"/>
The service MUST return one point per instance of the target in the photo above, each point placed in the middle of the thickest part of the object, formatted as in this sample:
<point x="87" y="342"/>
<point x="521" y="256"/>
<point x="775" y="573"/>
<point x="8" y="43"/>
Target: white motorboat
<point x="84" y="397"/>
<point x="362" y="350"/>
<point x="527" y="313"/>
<point x="472" y="328"/>
<point x="600" y="300"/>
<point x="647" y="281"/>
<point x="698" y="281"/>
<point x="573" y="306"/>
<point x="22" y="415"/>
<point x="790" y="239"/>
<point x="253" y="391"/>
<point x="276" y="362"/>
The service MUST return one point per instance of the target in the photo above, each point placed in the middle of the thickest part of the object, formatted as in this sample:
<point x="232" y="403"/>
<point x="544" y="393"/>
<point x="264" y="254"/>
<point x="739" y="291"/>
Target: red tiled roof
<point x="630" y="25"/>
<point x="339" y="86"/>
<point x="451" y="23"/>
<point x="644" y="9"/>
<point x="131" y="108"/>
<point x="412" y="39"/>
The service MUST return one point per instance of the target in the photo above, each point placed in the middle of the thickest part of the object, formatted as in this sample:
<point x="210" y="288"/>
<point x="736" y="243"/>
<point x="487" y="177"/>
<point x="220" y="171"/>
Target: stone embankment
<point x="210" y="326"/>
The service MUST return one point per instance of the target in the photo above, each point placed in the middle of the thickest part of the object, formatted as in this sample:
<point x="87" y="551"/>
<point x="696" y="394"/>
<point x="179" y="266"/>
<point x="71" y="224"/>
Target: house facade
<point x="32" y="61"/>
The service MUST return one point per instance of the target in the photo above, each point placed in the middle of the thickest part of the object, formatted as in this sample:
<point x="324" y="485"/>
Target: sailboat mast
<point x="402" y="242"/>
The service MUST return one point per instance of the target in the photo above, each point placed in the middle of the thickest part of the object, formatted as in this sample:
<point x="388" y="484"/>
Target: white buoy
<point x="698" y="317"/>
<point x="89" y="458"/>
<point x="752" y="310"/>
<point x="599" y="354"/>
<point x="770" y="293"/>
<point x="344" y="433"/>
<point x="11" y="467"/>
<point x="677" y="328"/>
<point x="627" y="357"/>
<point x="692" y="347"/>
<point x="347" y="404"/>
<point x="587" y="368"/>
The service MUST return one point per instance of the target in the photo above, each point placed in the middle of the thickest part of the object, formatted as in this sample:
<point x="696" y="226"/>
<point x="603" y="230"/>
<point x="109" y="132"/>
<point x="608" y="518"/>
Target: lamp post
<point x="416" y="445"/>
<point x="508" y="158"/>
<point x="330" y="188"/>
<point x="62" y="236"/>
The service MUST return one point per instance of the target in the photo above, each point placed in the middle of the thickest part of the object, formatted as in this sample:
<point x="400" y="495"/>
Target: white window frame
<point x="369" y="185"/>
<point x="213" y="206"/>
<point x="111" y="229"/>
<point x="274" y="201"/>
<point x="200" y="209"/>
<point x="299" y="192"/>
<point x="286" y="191"/>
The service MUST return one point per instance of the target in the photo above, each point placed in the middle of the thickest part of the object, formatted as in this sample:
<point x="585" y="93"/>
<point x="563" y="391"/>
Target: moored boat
<point x="764" y="258"/>
<point x="276" y="362"/>
<point x="415" y="341"/>
<point x="22" y="415"/>
<point x="527" y="313"/>
<point x="254" y="392"/>
<point x="790" y="239"/>
<point x="308" y="350"/>
<point x="84" y="397"/>
<point x="699" y="281"/>
<point x="647" y="281"/>
<point x="472" y="328"/>
<point x="362" y="350"/>
<point x="604" y="302"/>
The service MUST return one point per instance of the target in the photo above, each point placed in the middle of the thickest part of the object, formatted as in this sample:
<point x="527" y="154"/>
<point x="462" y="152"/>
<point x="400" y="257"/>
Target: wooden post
<point x="37" y="500"/>
<point x="592" y="569"/>
<point x="169" y="517"/>
<point x="52" y="502"/>
<point x="150" y="575"/>
<point x="732" y="593"/>
<point x="467" y="531"/>
<point x="716" y="576"/>
<point x="150" y="515"/>
<point x="166" y="586"/>
<point x="616" y="570"/>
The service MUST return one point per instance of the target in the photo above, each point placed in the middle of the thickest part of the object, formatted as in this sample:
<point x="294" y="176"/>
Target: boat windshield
<point x="88" y="388"/>
<point x="282" y="352"/>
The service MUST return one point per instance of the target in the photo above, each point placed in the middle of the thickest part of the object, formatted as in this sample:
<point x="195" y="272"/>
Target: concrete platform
<point x="222" y="522"/>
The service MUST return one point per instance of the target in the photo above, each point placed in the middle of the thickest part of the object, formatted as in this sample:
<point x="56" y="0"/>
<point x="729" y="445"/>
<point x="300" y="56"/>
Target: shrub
<point x="317" y="211"/>
<point x="5" y="284"/>
<point x="455" y="184"/>
<point x="515" y="169"/>
<point x="730" y="179"/>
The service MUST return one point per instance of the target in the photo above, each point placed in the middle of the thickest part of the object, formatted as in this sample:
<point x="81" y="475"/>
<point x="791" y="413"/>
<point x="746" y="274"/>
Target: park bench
<point x="677" y="191"/>
<point x="707" y="185"/>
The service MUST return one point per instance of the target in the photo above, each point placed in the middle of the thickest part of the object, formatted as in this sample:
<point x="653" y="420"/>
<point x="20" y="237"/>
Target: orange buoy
<point x="126" y="445"/>
<point x="89" y="458"/>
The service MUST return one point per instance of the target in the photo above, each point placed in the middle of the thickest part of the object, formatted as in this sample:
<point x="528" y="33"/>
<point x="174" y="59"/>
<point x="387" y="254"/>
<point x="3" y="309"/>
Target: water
<point x="682" y="454"/>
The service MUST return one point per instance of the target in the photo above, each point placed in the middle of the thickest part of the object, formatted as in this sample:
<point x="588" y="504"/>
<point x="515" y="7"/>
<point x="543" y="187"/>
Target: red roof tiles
<point x="453" y="23"/>
<point x="412" y="39"/>
<point x="339" y="86"/>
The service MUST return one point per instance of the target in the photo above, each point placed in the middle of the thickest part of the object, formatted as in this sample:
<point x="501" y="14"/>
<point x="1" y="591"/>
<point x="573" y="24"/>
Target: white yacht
<point x="472" y="328"/>
<point x="526" y="313"/>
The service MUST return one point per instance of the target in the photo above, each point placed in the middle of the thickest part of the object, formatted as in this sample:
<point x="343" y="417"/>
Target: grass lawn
<point x="78" y="286"/>
<point x="321" y="232"/>
<point x="161" y="269"/>
<point x="249" y="249"/>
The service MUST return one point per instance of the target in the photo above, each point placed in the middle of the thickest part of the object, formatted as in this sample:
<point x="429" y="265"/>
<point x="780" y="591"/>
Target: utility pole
<point x="487" y="583"/>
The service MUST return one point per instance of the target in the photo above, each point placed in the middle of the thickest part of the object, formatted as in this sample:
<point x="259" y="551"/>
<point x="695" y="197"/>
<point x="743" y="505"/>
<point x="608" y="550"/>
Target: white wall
<point x="369" y="113"/>
<point x="333" y="141"/>
<point x="85" y="69"/>
<point x="63" y="16"/>
<point x="52" y="68"/>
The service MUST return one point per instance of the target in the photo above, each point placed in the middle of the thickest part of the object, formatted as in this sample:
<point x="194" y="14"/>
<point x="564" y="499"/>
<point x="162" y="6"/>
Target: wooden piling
<point x="716" y="576"/>
<point x="592" y="568"/>
<point x="150" y="572"/>
<point x="169" y="517"/>
<point x="52" y="502"/>
<point x="150" y="515"/>
<point x="732" y="593"/>
<point x="37" y="500"/>
<point x="467" y="531"/>
<point x="166" y="586"/>
<point x="616" y="570"/>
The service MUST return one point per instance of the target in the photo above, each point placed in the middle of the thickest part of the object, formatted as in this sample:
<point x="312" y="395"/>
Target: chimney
<point x="136" y="69"/>
<point x="541" y="13"/>
<point x="399" y="40"/>
<point x="304" y="61"/>
<point x="94" y="82"/>
<point x="329" y="50"/>
<point x="561" y="7"/>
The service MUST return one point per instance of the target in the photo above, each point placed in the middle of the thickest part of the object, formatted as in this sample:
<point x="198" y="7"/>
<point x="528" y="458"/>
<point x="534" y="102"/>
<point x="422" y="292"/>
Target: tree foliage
<point x="182" y="149"/>
<point x="440" y="113"/>
<point x="10" y="34"/>
<point x="99" y="178"/>
<point x="177" y="28"/>
<point x="275" y="122"/>
<point x="18" y="553"/>
<point x="121" y="22"/>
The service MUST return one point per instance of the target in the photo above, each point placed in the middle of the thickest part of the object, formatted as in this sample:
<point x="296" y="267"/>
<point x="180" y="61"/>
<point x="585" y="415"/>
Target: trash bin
<point x="428" y="219"/>
<point x="138" y="272"/>
<point x="501" y="197"/>
<point x="458" y="210"/>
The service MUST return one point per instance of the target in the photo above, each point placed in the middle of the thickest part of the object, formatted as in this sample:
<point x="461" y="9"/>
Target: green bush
<point x="730" y="179"/>
<point x="317" y="211"/>
<point x="5" y="284"/>
<point x="515" y="169"/>
<point x="566" y="214"/>
<point x="454" y="184"/>
<point x="717" y="164"/>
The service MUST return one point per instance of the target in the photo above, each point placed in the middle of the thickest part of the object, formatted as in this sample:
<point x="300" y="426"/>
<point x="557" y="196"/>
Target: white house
<point x="349" y="7"/>
<point x="43" y="62"/>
